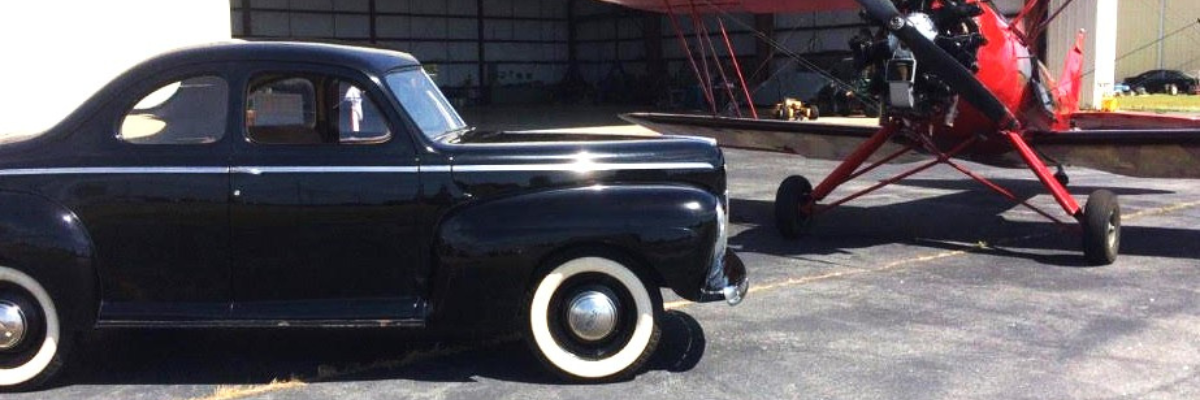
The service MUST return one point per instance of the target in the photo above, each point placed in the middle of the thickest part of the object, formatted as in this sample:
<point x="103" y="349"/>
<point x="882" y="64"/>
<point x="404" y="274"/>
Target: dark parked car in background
<point x="1163" y="81"/>
<point x="277" y="185"/>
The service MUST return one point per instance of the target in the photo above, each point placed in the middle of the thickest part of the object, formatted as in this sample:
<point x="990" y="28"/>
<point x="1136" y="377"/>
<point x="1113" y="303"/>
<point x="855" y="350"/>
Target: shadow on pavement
<point x="963" y="217"/>
<point x="241" y="357"/>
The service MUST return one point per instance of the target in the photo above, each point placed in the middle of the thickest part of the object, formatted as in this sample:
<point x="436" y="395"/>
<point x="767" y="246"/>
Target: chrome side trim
<point x="114" y="170"/>
<point x="578" y="167"/>
<point x="259" y="170"/>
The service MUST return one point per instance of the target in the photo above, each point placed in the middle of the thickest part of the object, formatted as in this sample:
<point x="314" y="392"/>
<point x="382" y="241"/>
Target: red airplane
<point x="938" y="99"/>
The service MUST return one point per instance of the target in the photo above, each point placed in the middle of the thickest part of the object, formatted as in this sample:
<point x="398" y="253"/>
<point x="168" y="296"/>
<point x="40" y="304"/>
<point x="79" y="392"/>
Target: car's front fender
<point x="488" y="252"/>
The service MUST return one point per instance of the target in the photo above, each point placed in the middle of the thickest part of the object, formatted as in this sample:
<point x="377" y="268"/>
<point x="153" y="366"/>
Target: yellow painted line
<point x="1161" y="210"/>
<point x="932" y="257"/>
<point x="240" y="391"/>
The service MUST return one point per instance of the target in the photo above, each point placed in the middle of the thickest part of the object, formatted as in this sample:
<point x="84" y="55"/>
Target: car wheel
<point x="1102" y="228"/>
<point x="33" y="343"/>
<point x="592" y="318"/>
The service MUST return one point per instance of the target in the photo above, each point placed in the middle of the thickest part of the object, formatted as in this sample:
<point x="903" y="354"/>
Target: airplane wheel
<point x="792" y="193"/>
<point x="1101" y="228"/>
<point x="813" y="113"/>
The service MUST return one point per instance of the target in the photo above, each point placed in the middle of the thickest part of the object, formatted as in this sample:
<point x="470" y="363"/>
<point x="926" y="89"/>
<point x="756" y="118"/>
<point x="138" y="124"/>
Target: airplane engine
<point x="905" y="87"/>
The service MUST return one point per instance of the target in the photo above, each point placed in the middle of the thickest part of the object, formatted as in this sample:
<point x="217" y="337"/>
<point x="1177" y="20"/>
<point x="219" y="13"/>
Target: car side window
<point x="191" y="111"/>
<point x="312" y="109"/>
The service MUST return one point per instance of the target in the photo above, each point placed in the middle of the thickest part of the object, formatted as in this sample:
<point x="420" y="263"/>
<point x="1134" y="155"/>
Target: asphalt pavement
<point x="931" y="289"/>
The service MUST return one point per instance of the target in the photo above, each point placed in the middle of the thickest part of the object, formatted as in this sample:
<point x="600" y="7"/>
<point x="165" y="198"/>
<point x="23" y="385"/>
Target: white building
<point x="58" y="53"/>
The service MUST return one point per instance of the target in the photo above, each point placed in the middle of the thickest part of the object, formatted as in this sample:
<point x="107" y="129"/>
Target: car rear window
<point x="191" y="111"/>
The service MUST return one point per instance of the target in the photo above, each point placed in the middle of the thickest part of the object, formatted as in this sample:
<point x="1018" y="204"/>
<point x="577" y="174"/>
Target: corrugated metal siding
<point x="1139" y="29"/>
<point x="1060" y="38"/>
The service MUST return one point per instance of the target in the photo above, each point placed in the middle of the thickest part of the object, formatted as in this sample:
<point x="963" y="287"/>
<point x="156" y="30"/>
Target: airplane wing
<point x="738" y="6"/>
<point x="815" y="140"/>
<point x="1139" y="145"/>
<point x="1132" y="144"/>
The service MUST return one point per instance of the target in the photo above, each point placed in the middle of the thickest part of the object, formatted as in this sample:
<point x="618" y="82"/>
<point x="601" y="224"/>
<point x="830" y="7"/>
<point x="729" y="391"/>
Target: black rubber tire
<point x="789" y="220"/>
<point x="594" y="262"/>
<point x="814" y="112"/>
<point x="51" y="342"/>
<point x="1102" y="228"/>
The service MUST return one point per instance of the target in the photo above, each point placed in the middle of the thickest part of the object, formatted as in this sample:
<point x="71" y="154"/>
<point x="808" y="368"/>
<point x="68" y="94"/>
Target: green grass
<point x="1159" y="103"/>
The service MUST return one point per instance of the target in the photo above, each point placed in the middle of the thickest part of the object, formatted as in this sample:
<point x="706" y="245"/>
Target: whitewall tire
<point x="594" y="319"/>
<point x="37" y="352"/>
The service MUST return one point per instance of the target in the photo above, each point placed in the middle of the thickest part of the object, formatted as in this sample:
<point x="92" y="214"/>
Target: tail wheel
<point x="593" y="318"/>
<point x="1102" y="228"/>
<point x="32" y="341"/>
<point x="794" y="192"/>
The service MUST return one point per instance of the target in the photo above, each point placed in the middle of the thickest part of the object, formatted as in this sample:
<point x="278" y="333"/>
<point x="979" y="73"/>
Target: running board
<point x="348" y="324"/>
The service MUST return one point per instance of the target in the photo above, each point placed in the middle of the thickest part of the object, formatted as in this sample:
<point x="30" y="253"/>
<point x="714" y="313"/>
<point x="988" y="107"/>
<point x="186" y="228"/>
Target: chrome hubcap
<point x="12" y="325"/>
<point x="592" y="315"/>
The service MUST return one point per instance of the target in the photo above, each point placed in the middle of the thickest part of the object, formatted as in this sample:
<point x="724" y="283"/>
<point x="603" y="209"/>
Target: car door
<point x="152" y="188"/>
<point x="326" y="192"/>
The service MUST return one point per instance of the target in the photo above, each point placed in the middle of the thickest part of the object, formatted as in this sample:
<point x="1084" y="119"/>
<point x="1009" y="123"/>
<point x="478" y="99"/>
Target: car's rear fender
<point x="488" y="252"/>
<point x="46" y="241"/>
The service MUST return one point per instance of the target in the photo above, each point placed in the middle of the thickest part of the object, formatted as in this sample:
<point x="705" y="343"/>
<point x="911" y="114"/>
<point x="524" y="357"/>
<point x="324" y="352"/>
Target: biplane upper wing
<point x="739" y="6"/>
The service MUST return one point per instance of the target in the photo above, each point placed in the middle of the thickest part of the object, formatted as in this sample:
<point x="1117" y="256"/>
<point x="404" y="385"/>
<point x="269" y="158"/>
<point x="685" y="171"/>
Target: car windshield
<point x="423" y="101"/>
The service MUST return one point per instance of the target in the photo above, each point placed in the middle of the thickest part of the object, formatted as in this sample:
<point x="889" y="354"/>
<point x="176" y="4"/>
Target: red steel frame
<point x="737" y="67"/>
<point x="702" y="75"/>
<point x="850" y="169"/>
<point x="687" y="50"/>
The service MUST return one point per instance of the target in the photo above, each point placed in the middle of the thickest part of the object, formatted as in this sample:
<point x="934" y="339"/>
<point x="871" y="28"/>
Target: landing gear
<point x="794" y="192"/>
<point x="1101" y="228"/>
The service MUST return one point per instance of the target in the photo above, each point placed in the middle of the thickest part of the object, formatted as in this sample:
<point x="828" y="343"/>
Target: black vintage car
<point x="300" y="185"/>
<point x="1163" y="81"/>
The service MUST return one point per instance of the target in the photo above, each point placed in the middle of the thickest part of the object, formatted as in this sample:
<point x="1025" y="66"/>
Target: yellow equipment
<point x="792" y="109"/>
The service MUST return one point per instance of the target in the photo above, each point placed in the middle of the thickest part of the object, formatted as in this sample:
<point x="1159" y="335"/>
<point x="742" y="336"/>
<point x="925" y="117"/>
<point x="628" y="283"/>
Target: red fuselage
<point x="1005" y="68"/>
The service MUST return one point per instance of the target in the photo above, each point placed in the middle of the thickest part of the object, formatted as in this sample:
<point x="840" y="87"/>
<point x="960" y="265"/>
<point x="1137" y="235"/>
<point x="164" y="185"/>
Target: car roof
<point x="364" y="58"/>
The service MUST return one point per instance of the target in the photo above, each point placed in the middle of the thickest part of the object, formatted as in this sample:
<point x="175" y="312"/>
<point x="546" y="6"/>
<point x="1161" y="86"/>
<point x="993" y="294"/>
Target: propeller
<point x="948" y="69"/>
